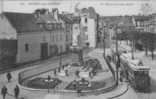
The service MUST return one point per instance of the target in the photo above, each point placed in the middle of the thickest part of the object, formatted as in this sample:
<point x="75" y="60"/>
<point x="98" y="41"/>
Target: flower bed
<point x="42" y="83"/>
<point x="93" y="86"/>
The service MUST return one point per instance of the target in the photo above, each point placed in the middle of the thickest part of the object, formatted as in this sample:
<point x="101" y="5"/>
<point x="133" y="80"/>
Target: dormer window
<point x="26" y="47"/>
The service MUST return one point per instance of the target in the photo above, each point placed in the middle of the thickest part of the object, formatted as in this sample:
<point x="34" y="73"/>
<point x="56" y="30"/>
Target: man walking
<point x="9" y="76"/>
<point x="16" y="91"/>
<point x="4" y="91"/>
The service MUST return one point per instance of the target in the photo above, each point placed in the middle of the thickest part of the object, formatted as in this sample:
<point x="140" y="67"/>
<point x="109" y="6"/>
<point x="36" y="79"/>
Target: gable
<point x="6" y="29"/>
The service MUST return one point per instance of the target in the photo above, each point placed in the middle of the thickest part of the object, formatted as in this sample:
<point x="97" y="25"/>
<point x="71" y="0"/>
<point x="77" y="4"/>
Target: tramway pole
<point x="132" y="52"/>
<point x="118" y="60"/>
<point x="104" y="41"/>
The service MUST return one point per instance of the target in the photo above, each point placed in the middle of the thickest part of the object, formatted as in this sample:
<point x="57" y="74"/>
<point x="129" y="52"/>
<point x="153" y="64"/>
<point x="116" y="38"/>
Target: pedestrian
<point x="78" y="91"/>
<point x="66" y="72"/>
<point x="59" y="69"/>
<point x="9" y="76"/>
<point x="90" y="75"/>
<point x="55" y="72"/>
<point x="4" y="91"/>
<point x="16" y="92"/>
<point x="77" y="73"/>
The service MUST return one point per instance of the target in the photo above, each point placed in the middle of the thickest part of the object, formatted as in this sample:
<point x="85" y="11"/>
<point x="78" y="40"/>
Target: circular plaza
<point x="88" y="78"/>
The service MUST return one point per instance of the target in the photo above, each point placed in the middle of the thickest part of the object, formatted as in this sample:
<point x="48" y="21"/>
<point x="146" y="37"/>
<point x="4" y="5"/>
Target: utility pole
<point x="118" y="60"/>
<point x="104" y="44"/>
<point x="132" y="43"/>
<point x="132" y="49"/>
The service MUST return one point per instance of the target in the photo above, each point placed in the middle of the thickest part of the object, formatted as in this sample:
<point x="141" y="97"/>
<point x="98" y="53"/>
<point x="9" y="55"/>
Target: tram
<point x="132" y="69"/>
<point x="136" y="73"/>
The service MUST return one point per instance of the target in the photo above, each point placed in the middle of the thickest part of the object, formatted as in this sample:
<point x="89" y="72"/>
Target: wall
<point x="8" y="50"/>
<point x="89" y="28"/>
<point x="33" y="40"/>
<point x="91" y="32"/>
<point x="6" y="30"/>
<point x="59" y="38"/>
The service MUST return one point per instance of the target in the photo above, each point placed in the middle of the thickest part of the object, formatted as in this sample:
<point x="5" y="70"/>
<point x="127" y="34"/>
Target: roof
<point x="48" y="18"/>
<point x="134" y="64"/>
<point x="22" y="22"/>
<point x="65" y="18"/>
<point x="142" y="18"/>
<point x="91" y="11"/>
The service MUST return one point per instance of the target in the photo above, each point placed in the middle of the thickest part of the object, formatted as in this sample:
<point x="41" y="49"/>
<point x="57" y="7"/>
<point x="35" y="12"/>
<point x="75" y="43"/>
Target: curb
<point x="122" y="93"/>
<point x="98" y="91"/>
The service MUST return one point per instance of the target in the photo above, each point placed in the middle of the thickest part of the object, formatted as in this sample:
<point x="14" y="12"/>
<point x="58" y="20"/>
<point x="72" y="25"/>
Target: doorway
<point x="44" y="50"/>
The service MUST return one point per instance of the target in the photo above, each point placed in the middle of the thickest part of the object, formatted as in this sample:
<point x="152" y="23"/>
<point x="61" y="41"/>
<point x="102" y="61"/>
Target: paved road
<point x="39" y="94"/>
<point x="48" y="64"/>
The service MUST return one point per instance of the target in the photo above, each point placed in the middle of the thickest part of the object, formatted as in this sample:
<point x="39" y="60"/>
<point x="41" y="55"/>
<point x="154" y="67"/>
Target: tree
<point x="144" y="40"/>
<point x="152" y="44"/>
<point x="149" y="42"/>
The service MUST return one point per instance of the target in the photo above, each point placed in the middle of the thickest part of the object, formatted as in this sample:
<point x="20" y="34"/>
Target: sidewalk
<point x="68" y="55"/>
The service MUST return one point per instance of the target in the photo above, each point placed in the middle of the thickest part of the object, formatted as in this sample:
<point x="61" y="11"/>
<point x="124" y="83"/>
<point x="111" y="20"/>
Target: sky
<point x="103" y="7"/>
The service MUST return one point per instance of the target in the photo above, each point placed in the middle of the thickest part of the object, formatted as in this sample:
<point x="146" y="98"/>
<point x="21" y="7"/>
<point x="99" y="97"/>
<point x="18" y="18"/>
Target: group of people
<point x="90" y="74"/>
<point x="58" y="70"/>
<point x="4" y="90"/>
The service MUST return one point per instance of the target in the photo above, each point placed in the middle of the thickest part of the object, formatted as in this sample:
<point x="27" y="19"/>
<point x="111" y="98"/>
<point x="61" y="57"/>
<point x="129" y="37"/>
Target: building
<point x="30" y="37"/>
<point x="142" y="23"/>
<point x="76" y="30"/>
<point x="8" y="43"/>
<point x="87" y="27"/>
<point x="38" y="35"/>
<point x="110" y="25"/>
<point x="68" y="23"/>
<point x="152" y="23"/>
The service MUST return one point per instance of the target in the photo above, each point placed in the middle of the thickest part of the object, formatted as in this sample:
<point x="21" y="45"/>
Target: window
<point x="26" y="47"/>
<point x="56" y="37"/>
<point x="66" y="37"/>
<point x="60" y="37"/>
<point x="53" y="38"/>
<point x="85" y="29"/>
<point x="86" y="20"/>
<point x="76" y="27"/>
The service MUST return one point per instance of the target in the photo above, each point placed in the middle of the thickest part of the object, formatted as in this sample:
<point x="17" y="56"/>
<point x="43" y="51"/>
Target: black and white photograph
<point x="77" y="49"/>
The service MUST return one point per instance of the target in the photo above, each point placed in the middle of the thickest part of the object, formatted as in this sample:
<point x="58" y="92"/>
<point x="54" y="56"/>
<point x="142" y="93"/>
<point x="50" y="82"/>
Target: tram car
<point x="136" y="73"/>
